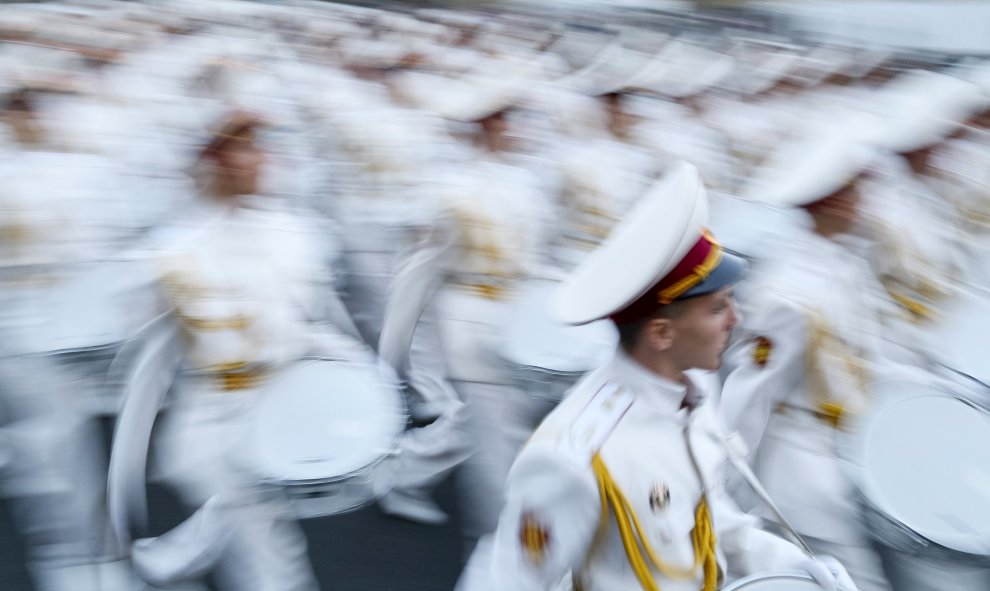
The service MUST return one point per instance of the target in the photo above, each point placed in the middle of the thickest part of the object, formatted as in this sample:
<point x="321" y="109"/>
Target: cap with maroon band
<point x="661" y="252"/>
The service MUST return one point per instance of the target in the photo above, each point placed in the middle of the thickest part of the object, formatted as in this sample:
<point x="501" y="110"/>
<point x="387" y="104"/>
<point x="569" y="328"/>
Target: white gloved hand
<point x="829" y="573"/>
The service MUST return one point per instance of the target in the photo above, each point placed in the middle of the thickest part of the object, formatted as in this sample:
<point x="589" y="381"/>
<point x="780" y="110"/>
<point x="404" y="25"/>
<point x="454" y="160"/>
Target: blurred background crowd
<point x="358" y="138"/>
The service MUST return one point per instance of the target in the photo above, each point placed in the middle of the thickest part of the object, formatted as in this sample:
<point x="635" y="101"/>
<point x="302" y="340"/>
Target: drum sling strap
<point x="596" y="423"/>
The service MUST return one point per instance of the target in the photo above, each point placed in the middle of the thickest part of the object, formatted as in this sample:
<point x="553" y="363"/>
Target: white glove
<point x="829" y="573"/>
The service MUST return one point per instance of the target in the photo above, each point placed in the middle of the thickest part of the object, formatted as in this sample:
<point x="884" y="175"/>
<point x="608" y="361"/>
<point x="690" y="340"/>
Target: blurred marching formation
<point x="306" y="252"/>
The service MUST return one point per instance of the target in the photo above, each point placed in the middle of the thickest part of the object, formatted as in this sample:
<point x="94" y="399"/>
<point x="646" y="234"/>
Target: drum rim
<point x="302" y="482"/>
<point x="544" y="370"/>
<point x="738" y="584"/>
<point x="110" y="346"/>
<point x="852" y="450"/>
<point x="401" y="421"/>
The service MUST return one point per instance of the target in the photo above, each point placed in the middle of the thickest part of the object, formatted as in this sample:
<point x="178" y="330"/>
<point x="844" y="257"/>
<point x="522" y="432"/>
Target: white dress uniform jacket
<point x="963" y="178"/>
<point x="552" y="522"/>
<point x="917" y="257"/>
<point x="602" y="179"/>
<point x="503" y="220"/>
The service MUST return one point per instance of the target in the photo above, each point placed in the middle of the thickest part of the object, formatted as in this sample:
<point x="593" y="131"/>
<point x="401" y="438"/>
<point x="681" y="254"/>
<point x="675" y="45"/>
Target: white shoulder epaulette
<point x="598" y="420"/>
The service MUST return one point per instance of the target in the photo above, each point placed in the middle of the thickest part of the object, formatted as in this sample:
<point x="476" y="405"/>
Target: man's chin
<point x="712" y="366"/>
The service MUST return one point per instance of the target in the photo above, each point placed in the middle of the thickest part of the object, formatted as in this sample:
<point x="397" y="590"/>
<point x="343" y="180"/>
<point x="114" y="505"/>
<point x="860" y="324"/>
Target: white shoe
<point x="187" y="551"/>
<point x="413" y="506"/>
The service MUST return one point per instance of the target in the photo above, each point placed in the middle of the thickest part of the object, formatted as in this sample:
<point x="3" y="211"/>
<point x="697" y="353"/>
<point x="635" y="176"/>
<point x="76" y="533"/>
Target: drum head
<point x="961" y="336"/>
<point x="79" y="307"/>
<point x="534" y="339"/>
<point x="776" y="582"/>
<point x="99" y="304"/>
<point x="322" y="420"/>
<point x="921" y="459"/>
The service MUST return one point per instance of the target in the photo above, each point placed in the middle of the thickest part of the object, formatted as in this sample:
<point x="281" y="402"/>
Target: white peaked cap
<point x="652" y="239"/>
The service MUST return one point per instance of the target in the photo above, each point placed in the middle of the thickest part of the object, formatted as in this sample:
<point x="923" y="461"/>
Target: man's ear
<point x="658" y="334"/>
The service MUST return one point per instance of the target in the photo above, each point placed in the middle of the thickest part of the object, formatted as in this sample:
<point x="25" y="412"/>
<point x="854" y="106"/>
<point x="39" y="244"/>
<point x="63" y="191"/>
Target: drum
<point x="959" y="337"/>
<point x="94" y="312"/>
<point x="80" y="316"/>
<point x="547" y="357"/>
<point x="919" y="463"/>
<point x="320" y="433"/>
<point x="795" y="581"/>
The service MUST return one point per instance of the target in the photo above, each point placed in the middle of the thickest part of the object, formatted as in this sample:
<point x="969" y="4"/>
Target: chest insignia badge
<point x="659" y="498"/>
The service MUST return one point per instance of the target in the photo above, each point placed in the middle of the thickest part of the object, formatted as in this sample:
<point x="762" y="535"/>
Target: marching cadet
<point x="386" y="215"/>
<point x="503" y="220"/>
<point x="918" y="255"/>
<point x="679" y="78"/>
<point x="764" y="106"/>
<point x="250" y="288"/>
<point x="960" y="171"/>
<point x="605" y="162"/>
<point x="811" y="345"/>
<point x="621" y="487"/>
<point x="57" y="226"/>
<point x="600" y="180"/>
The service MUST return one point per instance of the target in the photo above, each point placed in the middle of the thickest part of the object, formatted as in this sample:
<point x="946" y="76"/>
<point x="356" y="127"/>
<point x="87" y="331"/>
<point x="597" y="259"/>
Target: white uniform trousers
<point x="501" y="419"/>
<point x="197" y="446"/>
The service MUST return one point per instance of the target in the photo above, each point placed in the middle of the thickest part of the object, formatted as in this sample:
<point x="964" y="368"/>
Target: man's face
<point x="981" y="120"/>
<point x="701" y="331"/>
<point x="618" y="118"/>
<point x="241" y="161"/>
<point x="496" y="124"/>
<point x="919" y="159"/>
<point x="842" y="208"/>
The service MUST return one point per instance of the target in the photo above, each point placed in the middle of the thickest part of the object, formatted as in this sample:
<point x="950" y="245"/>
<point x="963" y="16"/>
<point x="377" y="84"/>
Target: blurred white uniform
<point x="963" y="179"/>
<point x="602" y="178"/>
<point x="916" y="255"/>
<point x="250" y="290"/>
<point x="502" y="219"/>
<point x="665" y="452"/>
<point x="754" y="127"/>
<point x="681" y="134"/>
<point x="809" y="347"/>
<point x="59" y="213"/>
<point x="386" y="213"/>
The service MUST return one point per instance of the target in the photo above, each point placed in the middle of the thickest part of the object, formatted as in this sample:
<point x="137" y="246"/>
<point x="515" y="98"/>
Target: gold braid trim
<point x="237" y="322"/>
<point x="238" y="375"/>
<point x="825" y="347"/>
<point x="637" y="547"/>
<point x="697" y="275"/>
<point x="918" y="310"/>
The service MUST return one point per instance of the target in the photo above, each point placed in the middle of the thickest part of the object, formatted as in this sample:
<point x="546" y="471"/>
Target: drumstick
<point x="736" y="447"/>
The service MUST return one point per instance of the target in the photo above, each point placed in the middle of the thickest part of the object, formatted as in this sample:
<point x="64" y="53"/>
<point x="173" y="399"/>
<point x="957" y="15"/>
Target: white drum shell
<point x="796" y="581"/>
<point x="321" y="431"/>
<point x="81" y="315"/>
<point x="959" y="336"/>
<point x="919" y="464"/>
<point x="546" y="357"/>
